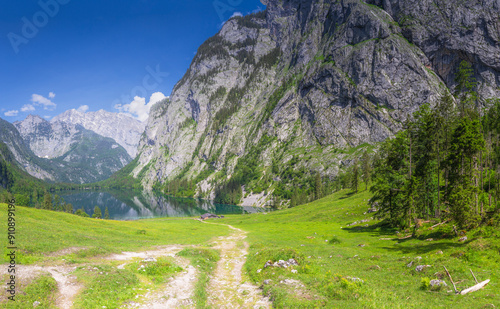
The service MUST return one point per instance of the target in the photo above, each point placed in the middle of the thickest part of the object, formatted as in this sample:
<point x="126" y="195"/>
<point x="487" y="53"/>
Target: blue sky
<point x="61" y="54"/>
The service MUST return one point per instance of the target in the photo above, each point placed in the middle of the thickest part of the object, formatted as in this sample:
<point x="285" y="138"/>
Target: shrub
<point x="335" y="240"/>
<point x="425" y="283"/>
<point x="81" y="212"/>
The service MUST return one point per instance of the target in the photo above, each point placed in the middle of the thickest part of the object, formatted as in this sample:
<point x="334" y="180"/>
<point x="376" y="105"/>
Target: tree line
<point x="47" y="201"/>
<point x="444" y="164"/>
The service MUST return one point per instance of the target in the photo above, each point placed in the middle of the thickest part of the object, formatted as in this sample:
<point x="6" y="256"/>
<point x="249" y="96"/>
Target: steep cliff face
<point x="62" y="152"/>
<point x="451" y="31"/>
<point x="124" y="129"/>
<point x="22" y="153"/>
<point x="304" y="79"/>
<point x="47" y="140"/>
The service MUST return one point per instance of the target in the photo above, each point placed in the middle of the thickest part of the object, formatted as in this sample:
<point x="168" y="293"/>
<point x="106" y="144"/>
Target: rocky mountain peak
<point x="62" y="151"/>
<point x="31" y="120"/>
<point x="310" y="80"/>
<point x="35" y="118"/>
<point x="124" y="129"/>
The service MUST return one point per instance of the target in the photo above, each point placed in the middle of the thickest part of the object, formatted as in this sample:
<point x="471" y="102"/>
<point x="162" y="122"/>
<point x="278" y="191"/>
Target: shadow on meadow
<point x="408" y="245"/>
<point x="347" y="195"/>
<point x="422" y="248"/>
<point x="375" y="230"/>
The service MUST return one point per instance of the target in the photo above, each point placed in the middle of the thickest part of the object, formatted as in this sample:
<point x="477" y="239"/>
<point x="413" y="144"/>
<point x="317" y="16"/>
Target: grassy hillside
<point x="53" y="239"/>
<point x="40" y="233"/>
<point x="329" y="251"/>
<point x="318" y="235"/>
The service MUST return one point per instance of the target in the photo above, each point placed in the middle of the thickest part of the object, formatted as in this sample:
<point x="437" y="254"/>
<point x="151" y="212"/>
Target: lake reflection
<point x="131" y="205"/>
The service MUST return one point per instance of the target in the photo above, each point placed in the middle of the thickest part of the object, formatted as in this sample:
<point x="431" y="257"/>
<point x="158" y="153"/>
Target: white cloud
<point x="156" y="97"/>
<point x="47" y="117"/>
<point x="239" y="14"/>
<point x="27" y="108"/>
<point x="41" y="100"/>
<point x="236" y="14"/>
<point x="52" y="95"/>
<point x="138" y="108"/>
<point x="83" y="108"/>
<point x="257" y="10"/>
<point x="11" y="113"/>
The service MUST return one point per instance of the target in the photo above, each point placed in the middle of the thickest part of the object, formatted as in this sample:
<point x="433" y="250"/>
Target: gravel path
<point x="227" y="288"/>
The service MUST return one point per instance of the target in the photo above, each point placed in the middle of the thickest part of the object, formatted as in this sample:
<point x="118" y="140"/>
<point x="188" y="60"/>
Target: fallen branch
<point x="475" y="288"/>
<point x="449" y="276"/>
<point x="439" y="224"/>
<point x="473" y="276"/>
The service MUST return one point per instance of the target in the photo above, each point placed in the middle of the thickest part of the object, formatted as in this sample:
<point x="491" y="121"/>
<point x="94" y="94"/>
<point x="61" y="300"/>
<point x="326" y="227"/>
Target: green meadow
<point x="341" y="264"/>
<point x="330" y="252"/>
<point x="41" y="233"/>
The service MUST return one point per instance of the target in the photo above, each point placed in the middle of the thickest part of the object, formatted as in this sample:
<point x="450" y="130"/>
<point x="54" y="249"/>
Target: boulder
<point x="420" y="268"/>
<point x="149" y="259"/>
<point x="208" y="216"/>
<point x="268" y="263"/>
<point x="281" y="263"/>
<point x="437" y="283"/>
<point x="355" y="279"/>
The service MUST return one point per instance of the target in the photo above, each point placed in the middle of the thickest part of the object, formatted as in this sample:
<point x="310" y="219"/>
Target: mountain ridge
<point x="306" y="80"/>
<point x="124" y="129"/>
<point x="61" y="152"/>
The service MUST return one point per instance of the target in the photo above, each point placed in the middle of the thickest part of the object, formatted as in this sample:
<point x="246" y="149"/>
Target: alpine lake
<point x="133" y="205"/>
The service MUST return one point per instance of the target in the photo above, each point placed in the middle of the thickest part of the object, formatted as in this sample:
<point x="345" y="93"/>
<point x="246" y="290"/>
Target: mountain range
<point x="66" y="150"/>
<point x="302" y="87"/>
<point x="124" y="129"/>
<point x="308" y="83"/>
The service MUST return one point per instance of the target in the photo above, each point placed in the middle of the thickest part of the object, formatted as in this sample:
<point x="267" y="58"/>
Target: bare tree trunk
<point x="437" y="213"/>
<point x="411" y="187"/>
<point x="482" y="182"/>
<point x="476" y="182"/>
<point x="490" y="169"/>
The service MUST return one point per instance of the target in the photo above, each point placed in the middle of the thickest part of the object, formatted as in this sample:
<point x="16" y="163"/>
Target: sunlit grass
<point x="329" y="252"/>
<point x="40" y="290"/>
<point x="40" y="232"/>
<point x="105" y="286"/>
<point x="205" y="260"/>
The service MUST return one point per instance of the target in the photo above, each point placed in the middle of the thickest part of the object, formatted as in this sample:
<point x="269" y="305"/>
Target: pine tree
<point x="68" y="208"/>
<point x="81" y="212"/>
<point x="467" y="141"/>
<point x="106" y="213"/>
<point x="318" y="186"/>
<point x="355" y="177"/>
<point x="34" y="197"/>
<point x="464" y="89"/>
<point x="390" y="181"/>
<point x="425" y="173"/>
<point x="58" y="203"/>
<point x="367" y="168"/>
<point x="47" y="201"/>
<point x="97" y="213"/>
